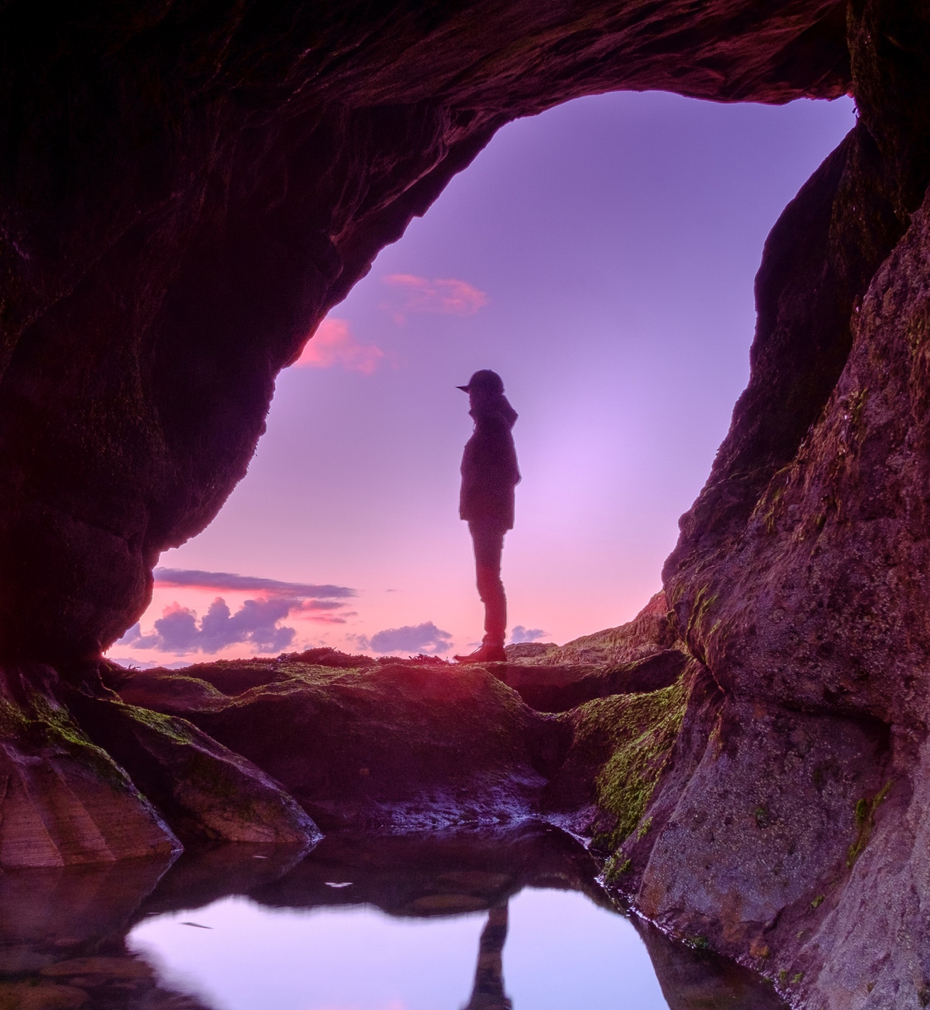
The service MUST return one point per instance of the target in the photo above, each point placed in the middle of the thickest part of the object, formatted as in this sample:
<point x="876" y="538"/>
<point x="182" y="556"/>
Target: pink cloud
<point x="446" y="297"/>
<point x="334" y="344"/>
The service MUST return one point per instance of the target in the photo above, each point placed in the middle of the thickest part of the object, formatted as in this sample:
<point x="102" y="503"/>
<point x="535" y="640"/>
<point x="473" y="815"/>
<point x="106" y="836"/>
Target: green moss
<point x="213" y="777"/>
<point x="865" y="820"/>
<point x="768" y="520"/>
<point x="703" y="601"/>
<point x="614" y="869"/>
<point x="170" y="726"/>
<point x="818" y="901"/>
<point x="644" y="729"/>
<point x="47" y="725"/>
<point x="856" y="405"/>
<point x="862" y="812"/>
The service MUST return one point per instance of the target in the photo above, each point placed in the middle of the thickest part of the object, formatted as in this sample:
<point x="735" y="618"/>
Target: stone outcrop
<point x="205" y="791"/>
<point x="640" y="656"/>
<point x="64" y="800"/>
<point x="407" y="746"/>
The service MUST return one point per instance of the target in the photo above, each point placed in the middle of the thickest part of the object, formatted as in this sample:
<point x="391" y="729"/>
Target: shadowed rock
<point x="64" y="800"/>
<point x="559" y="688"/>
<point x="403" y="744"/>
<point x="204" y="790"/>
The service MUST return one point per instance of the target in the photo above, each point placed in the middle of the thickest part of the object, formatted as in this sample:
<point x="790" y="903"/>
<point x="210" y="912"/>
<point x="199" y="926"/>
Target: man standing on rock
<point x="489" y="476"/>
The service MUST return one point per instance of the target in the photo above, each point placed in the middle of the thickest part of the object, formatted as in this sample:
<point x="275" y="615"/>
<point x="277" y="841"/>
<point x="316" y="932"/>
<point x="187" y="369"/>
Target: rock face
<point x="64" y="799"/>
<point x="643" y="655"/>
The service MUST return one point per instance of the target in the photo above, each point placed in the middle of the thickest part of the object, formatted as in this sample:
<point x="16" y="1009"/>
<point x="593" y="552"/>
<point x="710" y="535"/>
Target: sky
<point x="601" y="258"/>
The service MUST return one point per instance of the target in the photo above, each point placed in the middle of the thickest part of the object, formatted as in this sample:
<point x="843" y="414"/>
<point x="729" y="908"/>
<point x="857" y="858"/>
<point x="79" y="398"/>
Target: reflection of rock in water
<point x="61" y="940"/>
<point x="488" y="991"/>
<point x="701" y="980"/>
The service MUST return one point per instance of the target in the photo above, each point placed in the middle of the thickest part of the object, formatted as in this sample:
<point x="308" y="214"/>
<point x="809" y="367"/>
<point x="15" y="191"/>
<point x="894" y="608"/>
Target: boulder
<point x="401" y="745"/>
<point x="64" y="800"/>
<point x="205" y="791"/>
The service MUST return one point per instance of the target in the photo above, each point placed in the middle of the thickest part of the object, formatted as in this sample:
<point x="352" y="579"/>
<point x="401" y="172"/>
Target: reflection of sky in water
<point x="561" y="952"/>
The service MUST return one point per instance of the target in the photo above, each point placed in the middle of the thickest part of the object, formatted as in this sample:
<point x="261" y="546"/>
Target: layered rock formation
<point x="186" y="190"/>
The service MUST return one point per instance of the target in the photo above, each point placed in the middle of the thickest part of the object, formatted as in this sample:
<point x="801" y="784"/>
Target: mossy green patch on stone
<point x="703" y="601"/>
<point x="643" y="829"/>
<point x="46" y="726"/>
<point x="615" y="867"/>
<point x="865" y="821"/>
<point x="629" y="738"/>
<point x="170" y="726"/>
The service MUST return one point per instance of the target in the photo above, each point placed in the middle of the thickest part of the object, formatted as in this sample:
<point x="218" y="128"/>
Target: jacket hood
<point x="499" y="406"/>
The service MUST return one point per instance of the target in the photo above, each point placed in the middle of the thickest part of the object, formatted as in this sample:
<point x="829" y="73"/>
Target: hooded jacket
<point x="489" y="465"/>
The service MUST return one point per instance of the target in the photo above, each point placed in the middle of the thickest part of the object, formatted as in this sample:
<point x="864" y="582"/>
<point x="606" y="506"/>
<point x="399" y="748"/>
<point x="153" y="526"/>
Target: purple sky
<point x="601" y="258"/>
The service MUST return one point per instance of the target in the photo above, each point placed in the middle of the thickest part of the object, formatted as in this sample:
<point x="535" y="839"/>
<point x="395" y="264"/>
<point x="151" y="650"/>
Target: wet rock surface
<point x="410" y="745"/>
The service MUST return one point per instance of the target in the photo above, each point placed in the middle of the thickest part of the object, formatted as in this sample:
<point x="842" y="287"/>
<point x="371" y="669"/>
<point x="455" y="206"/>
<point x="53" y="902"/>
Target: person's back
<point x="486" y="502"/>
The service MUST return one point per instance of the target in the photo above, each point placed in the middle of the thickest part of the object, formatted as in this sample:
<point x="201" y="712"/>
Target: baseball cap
<point x="484" y="379"/>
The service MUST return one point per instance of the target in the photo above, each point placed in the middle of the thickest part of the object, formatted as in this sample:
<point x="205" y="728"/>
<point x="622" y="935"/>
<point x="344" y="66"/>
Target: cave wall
<point x="800" y="579"/>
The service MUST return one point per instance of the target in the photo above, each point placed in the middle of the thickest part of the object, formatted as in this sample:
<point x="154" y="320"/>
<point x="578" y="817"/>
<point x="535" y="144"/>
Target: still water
<point x="467" y="920"/>
<point x="561" y="951"/>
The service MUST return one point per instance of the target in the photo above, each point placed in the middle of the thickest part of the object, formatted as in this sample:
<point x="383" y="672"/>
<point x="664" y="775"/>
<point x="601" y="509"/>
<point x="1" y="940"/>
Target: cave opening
<point x="601" y="257"/>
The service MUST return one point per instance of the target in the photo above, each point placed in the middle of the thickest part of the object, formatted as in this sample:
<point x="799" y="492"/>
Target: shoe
<point x="486" y="654"/>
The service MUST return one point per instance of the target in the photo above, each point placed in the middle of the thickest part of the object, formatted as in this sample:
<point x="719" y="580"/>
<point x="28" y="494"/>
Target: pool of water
<point x="556" y="950"/>
<point x="473" y="920"/>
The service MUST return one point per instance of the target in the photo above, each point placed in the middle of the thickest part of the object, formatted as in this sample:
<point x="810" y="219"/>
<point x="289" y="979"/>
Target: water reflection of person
<point x="488" y="990"/>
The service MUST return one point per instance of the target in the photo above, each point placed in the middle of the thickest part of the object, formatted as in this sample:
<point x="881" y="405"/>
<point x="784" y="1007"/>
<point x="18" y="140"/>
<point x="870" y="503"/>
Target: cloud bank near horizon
<point x="423" y="638"/>
<point x="519" y="635"/>
<point x="189" y="578"/>
<point x="256" y="623"/>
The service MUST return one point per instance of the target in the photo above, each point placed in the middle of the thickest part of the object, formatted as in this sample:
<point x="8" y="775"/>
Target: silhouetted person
<point x="488" y="991"/>
<point x="489" y="476"/>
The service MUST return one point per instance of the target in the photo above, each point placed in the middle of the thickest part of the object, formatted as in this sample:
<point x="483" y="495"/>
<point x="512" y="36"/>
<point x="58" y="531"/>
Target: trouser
<point x="488" y="992"/>
<point x="488" y="538"/>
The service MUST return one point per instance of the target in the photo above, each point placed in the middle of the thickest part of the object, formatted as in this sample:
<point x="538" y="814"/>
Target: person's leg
<point x="488" y="539"/>
<point x="488" y="992"/>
